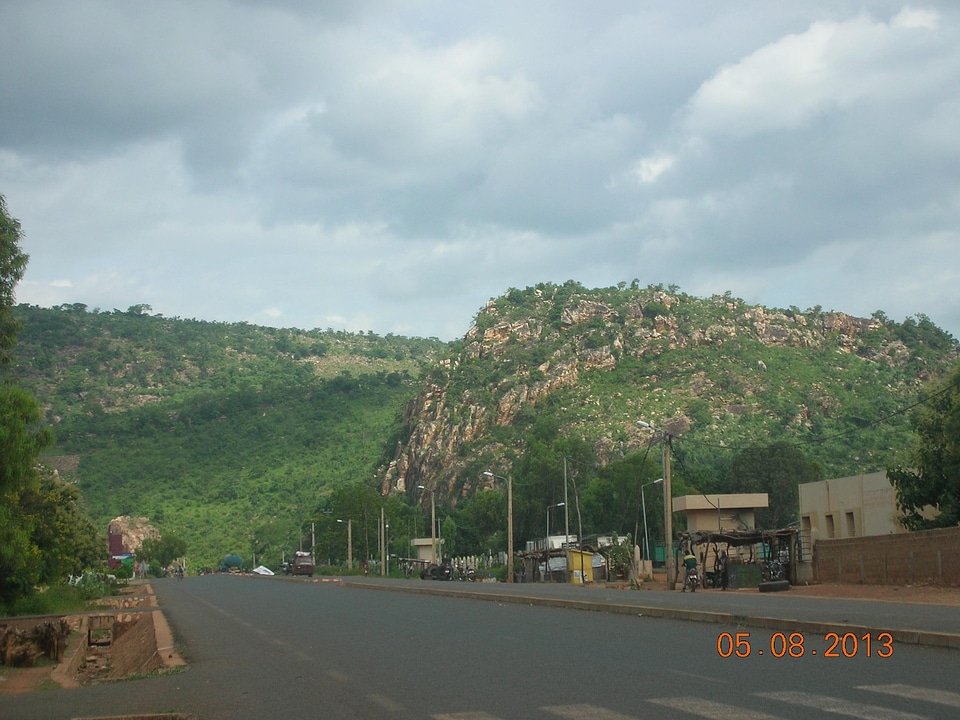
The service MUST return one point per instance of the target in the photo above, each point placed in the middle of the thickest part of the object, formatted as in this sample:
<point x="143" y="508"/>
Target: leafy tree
<point x="22" y="439"/>
<point x="777" y="470"/>
<point x="162" y="551"/>
<point x="448" y="531"/>
<point x="13" y="263"/>
<point x="66" y="538"/>
<point x="932" y="477"/>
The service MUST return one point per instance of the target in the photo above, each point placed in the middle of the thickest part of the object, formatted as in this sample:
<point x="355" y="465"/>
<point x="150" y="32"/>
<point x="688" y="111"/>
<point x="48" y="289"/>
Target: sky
<point x="392" y="166"/>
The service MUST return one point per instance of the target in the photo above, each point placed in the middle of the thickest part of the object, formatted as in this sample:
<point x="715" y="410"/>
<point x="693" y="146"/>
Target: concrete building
<point x="848" y="507"/>
<point x="426" y="551"/>
<point x="706" y="513"/>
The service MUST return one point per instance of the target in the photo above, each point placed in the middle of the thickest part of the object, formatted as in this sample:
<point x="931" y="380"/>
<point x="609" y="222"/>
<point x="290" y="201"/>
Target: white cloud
<point x="650" y="168"/>
<point x="796" y="79"/>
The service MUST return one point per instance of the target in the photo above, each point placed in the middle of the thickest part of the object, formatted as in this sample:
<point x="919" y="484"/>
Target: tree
<point x="931" y="477"/>
<point x="66" y="538"/>
<point x="13" y="263"/>
<point x="777" y="470"/>
<point x="43" y="533"/>
<point x="448" y="531"/>
<point x="162" y="551"/>
<point x="22" y="439"/>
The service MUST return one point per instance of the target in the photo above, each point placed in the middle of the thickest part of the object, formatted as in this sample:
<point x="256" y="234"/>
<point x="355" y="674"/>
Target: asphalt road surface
<point x="273" y="648"/>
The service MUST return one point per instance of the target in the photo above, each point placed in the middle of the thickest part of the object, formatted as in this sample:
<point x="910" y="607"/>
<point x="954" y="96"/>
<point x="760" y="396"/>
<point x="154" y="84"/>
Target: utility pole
<point x="665" y="439"/>
<point x="509" y="522"/>
<point x="566" y="522"/>
<point x="668" y="508"/>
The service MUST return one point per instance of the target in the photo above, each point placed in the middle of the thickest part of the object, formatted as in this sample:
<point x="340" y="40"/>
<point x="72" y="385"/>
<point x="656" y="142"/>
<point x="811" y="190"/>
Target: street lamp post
<point x="646" y="535"/>
<point x="665" y="438"/>
<point x="546" y="564"/>
<point x="509" y="522"/>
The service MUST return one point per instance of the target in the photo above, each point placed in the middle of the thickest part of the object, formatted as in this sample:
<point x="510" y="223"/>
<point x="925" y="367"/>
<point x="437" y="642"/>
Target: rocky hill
<point x="717" y="373"/>
<point x="236" y="437"/>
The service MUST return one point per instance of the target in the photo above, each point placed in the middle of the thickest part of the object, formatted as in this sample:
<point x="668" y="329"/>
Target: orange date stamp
<point x="797" y="644"/>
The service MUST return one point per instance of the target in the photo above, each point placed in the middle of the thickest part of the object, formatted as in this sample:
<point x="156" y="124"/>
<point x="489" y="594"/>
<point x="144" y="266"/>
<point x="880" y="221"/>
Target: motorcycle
<point x="692" y="580"/>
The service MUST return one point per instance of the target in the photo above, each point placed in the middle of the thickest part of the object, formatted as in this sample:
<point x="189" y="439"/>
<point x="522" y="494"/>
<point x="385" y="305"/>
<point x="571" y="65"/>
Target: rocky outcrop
<point x="535" y="345"/>
<point x="133" y="531"/>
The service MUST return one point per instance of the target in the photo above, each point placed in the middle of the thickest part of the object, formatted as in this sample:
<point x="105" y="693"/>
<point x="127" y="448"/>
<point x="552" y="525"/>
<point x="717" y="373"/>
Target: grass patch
<point x="61" y="599"/>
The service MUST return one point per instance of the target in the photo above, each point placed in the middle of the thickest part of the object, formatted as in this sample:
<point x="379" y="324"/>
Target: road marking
<point x="941" y="697"/>
<point x="385" y="702"/>
<point x="465" y="716"/>
<point x="839" y="706"/>
<point x="585" y="712"/>
<point x="697" y="677"/>
<point x="710" y="709"/>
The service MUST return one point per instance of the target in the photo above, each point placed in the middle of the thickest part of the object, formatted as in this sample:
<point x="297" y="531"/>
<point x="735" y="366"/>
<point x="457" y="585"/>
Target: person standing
<point x="689" y="565"/>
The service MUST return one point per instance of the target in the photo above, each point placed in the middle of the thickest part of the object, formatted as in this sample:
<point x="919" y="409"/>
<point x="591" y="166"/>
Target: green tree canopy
<point x="777" y="470"/>
<point x="21" y="438"/>
<point x="931" y="477"/>
<point x="66" y="538"/>
<point x="43" y="533"/>
<point x="13" y="263"/>
<point x="162" y="551"/>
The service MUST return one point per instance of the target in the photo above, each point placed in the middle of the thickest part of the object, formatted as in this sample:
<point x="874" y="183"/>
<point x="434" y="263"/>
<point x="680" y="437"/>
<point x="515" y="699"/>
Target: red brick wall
<point x="927" y="556"/>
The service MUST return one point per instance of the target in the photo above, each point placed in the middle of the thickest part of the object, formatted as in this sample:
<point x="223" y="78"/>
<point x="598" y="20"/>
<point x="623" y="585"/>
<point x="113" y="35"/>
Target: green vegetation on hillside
<point x="226" y="435"/>
<point x="250" y="440"/>
<point x="561" y="370"/>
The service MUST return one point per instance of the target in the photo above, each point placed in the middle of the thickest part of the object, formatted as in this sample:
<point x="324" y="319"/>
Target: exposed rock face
<point x="513" y="359"/>
<point x="133" y="531"/>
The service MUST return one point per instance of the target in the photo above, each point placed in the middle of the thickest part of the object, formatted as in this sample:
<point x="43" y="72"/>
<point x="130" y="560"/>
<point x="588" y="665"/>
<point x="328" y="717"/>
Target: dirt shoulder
<point x="140" y="643"/>
<point x="924" y="594"/>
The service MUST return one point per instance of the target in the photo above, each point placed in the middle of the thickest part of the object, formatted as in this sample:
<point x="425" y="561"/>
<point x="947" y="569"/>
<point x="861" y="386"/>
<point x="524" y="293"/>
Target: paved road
<point x="936" y="625"/>
<point x="262" y="648"/>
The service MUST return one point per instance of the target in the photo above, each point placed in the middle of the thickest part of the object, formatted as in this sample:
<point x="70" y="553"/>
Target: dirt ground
<point x="132" y="651"/>
<point x="927" y="594"/>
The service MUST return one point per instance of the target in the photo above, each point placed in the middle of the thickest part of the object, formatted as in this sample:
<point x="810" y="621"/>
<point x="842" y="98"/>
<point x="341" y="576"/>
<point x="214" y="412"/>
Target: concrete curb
<point x="163" y="635"/>
<point x="808" y="627"/>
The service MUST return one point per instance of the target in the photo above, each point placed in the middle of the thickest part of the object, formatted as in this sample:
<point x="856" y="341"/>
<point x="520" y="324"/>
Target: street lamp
<point x="509" y="522"/>
<point x="546" y="563"/>
<point x="349" y="543"/>
<point x="646" y="535"/>
<point x="665" y="439"/>
<point x="433" y="523"/>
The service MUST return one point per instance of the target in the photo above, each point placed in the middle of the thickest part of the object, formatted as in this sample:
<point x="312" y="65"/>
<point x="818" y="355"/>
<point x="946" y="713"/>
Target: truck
<point x="231" y="563"/>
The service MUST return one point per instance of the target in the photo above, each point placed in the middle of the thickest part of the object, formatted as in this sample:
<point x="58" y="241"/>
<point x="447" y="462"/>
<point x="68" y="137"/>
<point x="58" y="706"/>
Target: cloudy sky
<point x="391" y="166"/>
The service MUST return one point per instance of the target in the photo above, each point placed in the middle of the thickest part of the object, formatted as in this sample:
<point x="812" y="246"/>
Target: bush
<point x="70" y="596"/>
